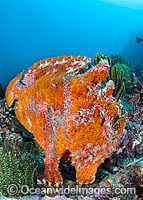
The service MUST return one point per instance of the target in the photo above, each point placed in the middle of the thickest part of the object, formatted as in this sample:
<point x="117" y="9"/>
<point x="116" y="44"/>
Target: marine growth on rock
<point x="21" y="158"/>
<point x="61" y="102"/>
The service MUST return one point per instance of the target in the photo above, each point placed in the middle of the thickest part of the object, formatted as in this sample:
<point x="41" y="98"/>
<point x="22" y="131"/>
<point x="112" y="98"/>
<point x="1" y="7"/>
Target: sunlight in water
<point x="136" y="4"/>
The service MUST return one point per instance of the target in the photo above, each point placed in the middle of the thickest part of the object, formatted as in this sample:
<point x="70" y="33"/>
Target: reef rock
<point x="61" y="101"/>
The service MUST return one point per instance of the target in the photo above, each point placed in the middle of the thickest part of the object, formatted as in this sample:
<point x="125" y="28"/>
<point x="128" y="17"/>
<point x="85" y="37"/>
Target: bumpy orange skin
<point x="68" y="111"/>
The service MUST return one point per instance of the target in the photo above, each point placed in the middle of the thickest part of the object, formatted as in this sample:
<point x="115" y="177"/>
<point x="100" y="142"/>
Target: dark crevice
<point x="21" y="80"/>
<point x="84" y="70"/>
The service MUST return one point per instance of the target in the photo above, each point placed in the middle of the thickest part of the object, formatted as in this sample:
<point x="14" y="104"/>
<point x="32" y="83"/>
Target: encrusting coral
<point x="61" y="102"/>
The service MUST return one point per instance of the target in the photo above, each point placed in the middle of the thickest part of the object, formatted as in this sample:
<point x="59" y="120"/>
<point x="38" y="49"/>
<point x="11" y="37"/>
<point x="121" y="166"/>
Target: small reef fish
<point x="139" y="40"/>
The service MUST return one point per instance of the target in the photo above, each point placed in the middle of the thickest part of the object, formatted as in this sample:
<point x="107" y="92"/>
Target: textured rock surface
<point x="36" y="197"/>
<point x="61" y="102"/>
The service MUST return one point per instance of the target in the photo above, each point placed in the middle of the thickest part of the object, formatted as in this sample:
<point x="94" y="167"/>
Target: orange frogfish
<point x="63" y="103"/>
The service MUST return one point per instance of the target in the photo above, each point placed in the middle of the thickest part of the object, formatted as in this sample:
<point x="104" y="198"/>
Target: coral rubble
<point x="61" y="102"/>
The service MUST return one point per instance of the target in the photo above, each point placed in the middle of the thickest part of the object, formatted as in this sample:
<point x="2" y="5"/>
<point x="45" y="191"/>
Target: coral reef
<point x="126" y="177"/>
<point x="16" y="167"/>
<point x="60" y="100"/>
<point x="124" y="169"/>
<point x="9" y="123"/>
<point x="122" y="65"/>
<point x="19" y="152"/>
<point x="114" y="75"/>
<point x="138" y="70"/>
<point x="118" y="81"/>
<point x="137" y="94"/>
<point x="99" y="57"/>
<point x="21" y="159"/>
<point x="119" y="59"/>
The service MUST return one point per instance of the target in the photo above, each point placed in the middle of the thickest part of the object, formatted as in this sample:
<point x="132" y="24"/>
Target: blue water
<point x="31" y="30"/>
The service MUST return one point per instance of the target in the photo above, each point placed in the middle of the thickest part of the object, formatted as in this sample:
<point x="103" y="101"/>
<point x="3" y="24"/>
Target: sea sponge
<point x="61" y="102"/>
